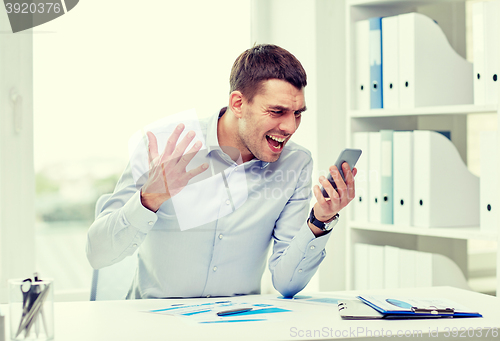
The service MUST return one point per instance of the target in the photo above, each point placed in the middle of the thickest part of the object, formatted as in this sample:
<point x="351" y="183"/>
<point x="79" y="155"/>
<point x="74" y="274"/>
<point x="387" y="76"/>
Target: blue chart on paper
<point x="263" y="311"/>
<point x="230" y="321"/>
<point x="197" y="312"/>
<point x="398" y="303"/>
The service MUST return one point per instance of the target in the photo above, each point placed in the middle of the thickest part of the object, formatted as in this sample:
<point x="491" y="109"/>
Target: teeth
<point x="277" y="138"/>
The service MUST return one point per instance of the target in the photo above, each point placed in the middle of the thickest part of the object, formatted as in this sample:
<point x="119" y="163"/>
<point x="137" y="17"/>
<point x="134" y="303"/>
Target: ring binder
<point x="357" y="310"/>
<point x="433" y="311"/>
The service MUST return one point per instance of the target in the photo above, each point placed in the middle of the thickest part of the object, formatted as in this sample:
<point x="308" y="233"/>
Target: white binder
<point x="491" y="10"/>
<point x="361" y="256"/>
<point x="391" y="267"/>
<point x="360" y="203"/>
<point x="386" y="174"/>
<point x="488" y="181"/>
<point x="430" y="72"/>
<point x="362" y="65"/>
<point x="403" y="177"/>
<point x="376" y="267"/>
<point x="390" y="62"/>
<point x="445" y="192"/>
<point x="374" y="178"/>
<point x="478" y="47"/>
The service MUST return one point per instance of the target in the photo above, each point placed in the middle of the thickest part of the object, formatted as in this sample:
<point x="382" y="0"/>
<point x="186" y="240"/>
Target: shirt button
<point x="134" y="245"/>
<point x="312" y="247"/>
<point x="221" y="236"/>
<point x="215" y="268"/>
<point x="300" y="270"/>
<point x="151" y="223"/>
<point x="227" y="202"/>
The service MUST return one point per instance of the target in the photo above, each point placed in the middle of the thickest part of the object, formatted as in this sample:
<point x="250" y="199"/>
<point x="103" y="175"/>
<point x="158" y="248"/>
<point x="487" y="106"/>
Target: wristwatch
<point x="321" y="225"/>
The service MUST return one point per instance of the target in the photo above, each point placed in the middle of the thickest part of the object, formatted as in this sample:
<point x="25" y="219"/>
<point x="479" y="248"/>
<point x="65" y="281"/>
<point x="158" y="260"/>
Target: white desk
<point x="124" y="320"/>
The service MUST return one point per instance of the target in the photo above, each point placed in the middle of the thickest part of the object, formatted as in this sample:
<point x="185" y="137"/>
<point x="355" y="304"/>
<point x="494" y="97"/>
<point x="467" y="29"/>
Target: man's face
<point x="268" y="122"/>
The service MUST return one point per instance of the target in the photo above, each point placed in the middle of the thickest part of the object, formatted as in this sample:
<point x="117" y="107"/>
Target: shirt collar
<point x="212" y="142"/>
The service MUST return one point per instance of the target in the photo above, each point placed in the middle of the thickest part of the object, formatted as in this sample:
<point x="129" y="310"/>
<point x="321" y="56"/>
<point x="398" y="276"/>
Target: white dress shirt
<point x="212" y="238"/>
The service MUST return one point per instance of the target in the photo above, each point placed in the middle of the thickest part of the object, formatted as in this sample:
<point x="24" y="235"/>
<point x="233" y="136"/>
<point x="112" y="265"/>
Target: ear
<point x="236" y="103"/>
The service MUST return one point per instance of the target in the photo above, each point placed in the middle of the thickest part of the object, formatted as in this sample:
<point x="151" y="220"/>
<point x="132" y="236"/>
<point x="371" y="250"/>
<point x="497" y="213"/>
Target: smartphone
<point x="348" y="155"/>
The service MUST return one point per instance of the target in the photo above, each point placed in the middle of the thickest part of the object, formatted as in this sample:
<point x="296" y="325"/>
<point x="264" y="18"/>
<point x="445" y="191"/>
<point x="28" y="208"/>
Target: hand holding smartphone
<point x="348" y="155"/>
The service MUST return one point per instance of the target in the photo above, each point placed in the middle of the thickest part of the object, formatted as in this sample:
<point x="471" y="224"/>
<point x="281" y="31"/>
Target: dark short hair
<point x="263" y="62"/>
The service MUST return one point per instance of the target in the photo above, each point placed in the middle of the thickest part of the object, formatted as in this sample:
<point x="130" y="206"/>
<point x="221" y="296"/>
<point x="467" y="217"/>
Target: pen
<point x="234" y="311"/>
<point x="36" y="317"/>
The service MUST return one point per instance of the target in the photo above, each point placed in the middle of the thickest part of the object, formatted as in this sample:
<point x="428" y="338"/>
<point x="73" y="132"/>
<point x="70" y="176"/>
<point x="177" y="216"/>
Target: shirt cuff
<point x="306" y="240"/>
<point x="139" y="216"/>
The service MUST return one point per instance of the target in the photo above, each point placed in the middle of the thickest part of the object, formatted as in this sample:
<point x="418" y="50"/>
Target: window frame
<point x="17" y="181"/>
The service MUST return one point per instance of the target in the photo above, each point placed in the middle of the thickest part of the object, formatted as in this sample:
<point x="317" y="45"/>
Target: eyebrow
<point x="280" y="107"/>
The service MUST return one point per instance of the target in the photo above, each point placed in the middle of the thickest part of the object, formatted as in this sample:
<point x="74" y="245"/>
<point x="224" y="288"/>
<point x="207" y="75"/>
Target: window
<point x="101" y="72"/>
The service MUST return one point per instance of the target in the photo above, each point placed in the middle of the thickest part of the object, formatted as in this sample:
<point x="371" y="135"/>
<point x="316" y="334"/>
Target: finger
<point x="349" y="177"/>
<point x="319" y="196"/>
<point x="179" y="149"/>
<point x="172" y="141"/>
<point x="325" y="206"/>
<point x="354" y="171"/>
<point x="196" y="171"/>
<point x="152" y="147"/>
<point x="332" y="193"/>
<point x="186" y="158"/>
<point x="341" y="186"/>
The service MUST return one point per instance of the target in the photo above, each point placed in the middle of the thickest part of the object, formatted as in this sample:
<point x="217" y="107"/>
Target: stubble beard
<point x="252" y="143"/>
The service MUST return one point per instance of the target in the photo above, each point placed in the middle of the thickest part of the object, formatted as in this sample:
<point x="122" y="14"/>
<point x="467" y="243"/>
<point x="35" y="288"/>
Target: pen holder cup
<point x="31" y="309"/>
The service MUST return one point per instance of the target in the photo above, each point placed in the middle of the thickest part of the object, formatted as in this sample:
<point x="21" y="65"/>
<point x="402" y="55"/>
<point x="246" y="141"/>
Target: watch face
<point x="328" y="226"/>
<point x="331" y="224"/>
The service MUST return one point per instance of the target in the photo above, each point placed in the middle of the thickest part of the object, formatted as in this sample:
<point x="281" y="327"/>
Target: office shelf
<point x="439" y="110"/>
<point x="472" y="232"/>
<point x="407" y="3"/>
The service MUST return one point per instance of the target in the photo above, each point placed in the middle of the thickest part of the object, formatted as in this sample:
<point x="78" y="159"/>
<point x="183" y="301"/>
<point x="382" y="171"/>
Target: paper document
<point x="207" y="312"/>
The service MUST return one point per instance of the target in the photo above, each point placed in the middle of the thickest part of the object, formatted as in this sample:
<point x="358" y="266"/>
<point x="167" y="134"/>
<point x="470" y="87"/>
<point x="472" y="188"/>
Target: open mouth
<point x="275" y="143"/>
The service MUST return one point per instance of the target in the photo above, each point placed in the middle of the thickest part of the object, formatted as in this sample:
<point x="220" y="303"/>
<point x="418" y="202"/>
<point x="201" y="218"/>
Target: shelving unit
<point x="465" y="233"/>
<point x="451" y="242"/>
<point x="440" y="110"/>
<point x="394" y="2"/>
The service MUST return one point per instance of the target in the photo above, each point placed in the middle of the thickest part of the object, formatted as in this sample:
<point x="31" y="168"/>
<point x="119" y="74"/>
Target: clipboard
<point x="381" y="307"/>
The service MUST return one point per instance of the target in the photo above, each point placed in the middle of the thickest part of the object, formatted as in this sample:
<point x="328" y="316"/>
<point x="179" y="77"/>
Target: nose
<point x="288" y="123"/>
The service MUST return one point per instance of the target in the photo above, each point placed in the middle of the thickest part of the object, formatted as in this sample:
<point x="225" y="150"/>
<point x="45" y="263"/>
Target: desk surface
<point x="126" y="320"/>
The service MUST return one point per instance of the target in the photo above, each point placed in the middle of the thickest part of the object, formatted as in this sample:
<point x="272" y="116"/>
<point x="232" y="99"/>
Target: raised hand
<point x="167" y="172"/>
